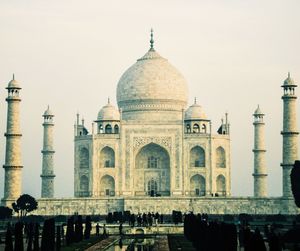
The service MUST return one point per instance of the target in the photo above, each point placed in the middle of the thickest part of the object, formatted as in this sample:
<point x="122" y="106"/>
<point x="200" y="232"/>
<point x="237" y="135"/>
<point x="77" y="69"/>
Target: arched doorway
<point x="152" y="187"/>
<point x="221" y="185"/>
<point x="152" y="171"/>
<point x="197" y="185"/>
<point x="107" y="186"/>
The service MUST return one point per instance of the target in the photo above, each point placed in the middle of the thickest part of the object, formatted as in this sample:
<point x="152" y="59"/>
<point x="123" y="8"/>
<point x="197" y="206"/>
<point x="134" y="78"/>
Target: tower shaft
<point x="260" y="170"/>
<point x="48" y="154"/>
<point x="289" y="142"/>
<point x="13" y="165"/>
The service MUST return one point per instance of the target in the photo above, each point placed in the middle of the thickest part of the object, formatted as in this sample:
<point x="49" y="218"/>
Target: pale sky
<point x="71" y="54"/>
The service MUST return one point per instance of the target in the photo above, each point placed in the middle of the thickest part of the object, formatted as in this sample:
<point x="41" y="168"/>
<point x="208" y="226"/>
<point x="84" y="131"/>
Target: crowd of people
<point x="145" y="220"/>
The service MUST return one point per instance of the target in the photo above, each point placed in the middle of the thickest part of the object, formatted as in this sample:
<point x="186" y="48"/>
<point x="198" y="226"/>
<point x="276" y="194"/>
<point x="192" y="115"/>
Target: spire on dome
<point x="289" y="81"/>
<point x="258" y="112"/>
<point x="108" y="100"/>
<point x="151" y="41"/>
<point x="48" y="113"/>
<point x="13" y="84"/>
<point x="195" y="100"/>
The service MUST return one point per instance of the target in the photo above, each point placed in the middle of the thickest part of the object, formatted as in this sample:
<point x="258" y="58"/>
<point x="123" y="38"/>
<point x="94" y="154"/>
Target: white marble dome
<point x="194" y="112"/>
<point x="152" y="83"/>
<point x="109" y="112"/>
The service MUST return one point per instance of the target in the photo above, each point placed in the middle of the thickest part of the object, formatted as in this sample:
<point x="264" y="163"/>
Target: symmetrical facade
<point x="153" y="153"/>
<point x="152" y="145"/>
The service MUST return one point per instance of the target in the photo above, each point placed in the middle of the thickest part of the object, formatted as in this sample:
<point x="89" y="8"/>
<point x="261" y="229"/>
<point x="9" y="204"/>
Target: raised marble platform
<point x="165" y="205"/>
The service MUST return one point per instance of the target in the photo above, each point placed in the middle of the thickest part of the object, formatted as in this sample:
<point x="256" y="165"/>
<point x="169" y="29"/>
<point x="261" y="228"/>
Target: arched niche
<point x="84" y="158"/>
<point x="197" y="157"/>
<point x="197" y="185"/>
<point x="220" y="157"/>
<point x="107" y="157"/>
<point x="84" y="186"/>
<point x="221" y="185"/>
<point x="107" y="186"/>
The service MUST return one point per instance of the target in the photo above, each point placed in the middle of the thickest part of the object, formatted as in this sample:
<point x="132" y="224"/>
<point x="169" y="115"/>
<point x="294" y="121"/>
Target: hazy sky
<point x="71" y="54"/>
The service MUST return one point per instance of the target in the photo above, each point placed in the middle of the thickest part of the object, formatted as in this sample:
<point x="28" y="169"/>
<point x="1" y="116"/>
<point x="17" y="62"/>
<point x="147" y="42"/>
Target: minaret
<point x="48" y="152"/>
<point x="13" y="166"/>
<point x="260" y="172"/>
<point x="289" y="134"/>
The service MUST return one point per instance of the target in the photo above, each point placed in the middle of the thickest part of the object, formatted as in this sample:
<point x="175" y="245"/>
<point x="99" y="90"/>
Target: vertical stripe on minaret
<point x="48" y="152"/>
<point x="289" y="134"/>
<point x="13" y="166"/>
<point x="260" y="172"/>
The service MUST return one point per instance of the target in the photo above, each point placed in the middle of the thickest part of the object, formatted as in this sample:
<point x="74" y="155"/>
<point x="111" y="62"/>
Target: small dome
<point x="48" y="112"/>
<point x="13" y="84"/>
<point x="258" y="111"/>
<point x="289" y="81"/>
<point x="109" y="112"/>
<point x="194" y="112"/>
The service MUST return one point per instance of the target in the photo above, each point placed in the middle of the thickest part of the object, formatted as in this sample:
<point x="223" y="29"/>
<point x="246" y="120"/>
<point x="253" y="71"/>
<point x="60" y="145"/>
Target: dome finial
<point x="195" y="100"/>
<point x="151" y="40"/>
<point x="13" y="76"/>
<point x="108" y="100"/>
<point x="289" y="74"/>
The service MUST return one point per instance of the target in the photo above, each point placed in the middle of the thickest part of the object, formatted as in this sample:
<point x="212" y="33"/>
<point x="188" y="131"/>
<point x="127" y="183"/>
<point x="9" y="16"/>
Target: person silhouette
<point x="97" y="229"/>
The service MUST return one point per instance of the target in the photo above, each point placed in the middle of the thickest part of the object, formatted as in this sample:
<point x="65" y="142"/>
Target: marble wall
<point x="210" y="205"/>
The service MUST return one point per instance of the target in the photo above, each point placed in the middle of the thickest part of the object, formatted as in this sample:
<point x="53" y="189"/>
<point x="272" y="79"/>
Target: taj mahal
<point x="153" y="152"/>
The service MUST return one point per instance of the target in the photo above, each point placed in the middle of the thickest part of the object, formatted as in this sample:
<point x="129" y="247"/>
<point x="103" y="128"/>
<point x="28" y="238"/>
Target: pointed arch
<point x="197" y="185"/>
<point x="84" y="158"/>
<point x="196" y="128"/>
<point x="108" y="128"/>
<point x="107" y="157"/>
<point x="100" y="128"/>
<point x="203" y="128"/>
<point x="220" y="157"/>
<point x="197" y="157"/>
<point x="116" y="129"/>
<point x="152" y="163"/>
<point x="152" y="156"/>
<point x="107" y="185"/>
<point x="221" y="185"/>
<point x="188" y="128"/>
